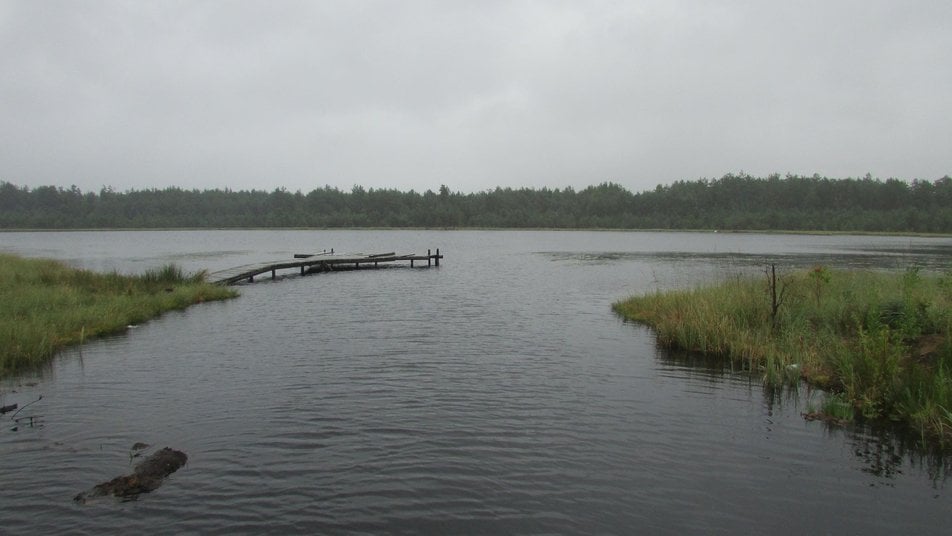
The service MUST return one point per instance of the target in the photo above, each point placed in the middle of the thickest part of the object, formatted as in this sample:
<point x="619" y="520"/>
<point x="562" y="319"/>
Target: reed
<point x="48" y="305"/>
<point x="877" y="342"/>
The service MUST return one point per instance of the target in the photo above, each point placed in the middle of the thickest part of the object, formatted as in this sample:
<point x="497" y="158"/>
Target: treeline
<point x="733" y="202"/>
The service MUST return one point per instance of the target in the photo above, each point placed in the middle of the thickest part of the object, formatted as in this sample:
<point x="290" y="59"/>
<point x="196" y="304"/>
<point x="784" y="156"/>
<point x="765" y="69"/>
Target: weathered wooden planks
<point x="323" y="261"/>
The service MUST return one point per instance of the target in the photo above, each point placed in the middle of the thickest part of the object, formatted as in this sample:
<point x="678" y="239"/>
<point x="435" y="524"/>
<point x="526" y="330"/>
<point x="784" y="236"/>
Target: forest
<point x="732" y="202"/>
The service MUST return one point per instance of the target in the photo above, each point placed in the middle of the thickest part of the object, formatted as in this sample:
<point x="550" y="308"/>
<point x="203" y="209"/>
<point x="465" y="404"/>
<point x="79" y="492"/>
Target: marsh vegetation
<point x="877" y="342"/>
<point x="48" y="305"/>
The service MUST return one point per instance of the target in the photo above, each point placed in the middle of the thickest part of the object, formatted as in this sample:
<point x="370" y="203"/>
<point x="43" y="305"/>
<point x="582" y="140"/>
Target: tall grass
<point x="877" y="341"/>
<point x="47" y="305"/>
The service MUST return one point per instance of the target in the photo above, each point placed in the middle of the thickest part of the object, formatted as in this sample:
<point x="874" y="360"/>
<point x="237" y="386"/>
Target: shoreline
<point x="50" y="306"/>
<point x="878" y="344"/>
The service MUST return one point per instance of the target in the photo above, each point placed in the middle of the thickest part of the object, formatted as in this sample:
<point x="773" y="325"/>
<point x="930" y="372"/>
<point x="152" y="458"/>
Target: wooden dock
<point x="320" y="262"/>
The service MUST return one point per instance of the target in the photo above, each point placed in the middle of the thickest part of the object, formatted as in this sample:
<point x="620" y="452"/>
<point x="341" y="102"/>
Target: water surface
<point x="495" y="394"/>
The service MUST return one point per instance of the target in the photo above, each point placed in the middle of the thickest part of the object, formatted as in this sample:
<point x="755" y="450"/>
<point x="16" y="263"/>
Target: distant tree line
<point x="733" y="202"/>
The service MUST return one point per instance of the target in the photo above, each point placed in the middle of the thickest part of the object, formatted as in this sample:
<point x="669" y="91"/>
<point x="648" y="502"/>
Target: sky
<point x="471" y="94"/>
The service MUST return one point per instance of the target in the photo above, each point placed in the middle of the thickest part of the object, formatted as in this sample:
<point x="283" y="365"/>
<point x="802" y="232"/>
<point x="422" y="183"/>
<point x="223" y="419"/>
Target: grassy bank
<point x="878" y="343"/>
<point x="48" y="305"/>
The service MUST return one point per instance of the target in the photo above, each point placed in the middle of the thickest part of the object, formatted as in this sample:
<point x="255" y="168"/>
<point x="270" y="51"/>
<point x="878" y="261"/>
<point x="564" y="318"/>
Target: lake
<point x="496" y="394"/>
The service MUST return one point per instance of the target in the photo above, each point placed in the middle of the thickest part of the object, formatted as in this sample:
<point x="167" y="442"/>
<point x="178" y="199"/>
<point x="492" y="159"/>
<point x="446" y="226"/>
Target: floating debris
<point x="32" y="420"/>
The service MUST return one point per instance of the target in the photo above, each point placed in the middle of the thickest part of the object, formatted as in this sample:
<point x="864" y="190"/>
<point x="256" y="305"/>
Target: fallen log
<point x="147" y="476"/>
<point x="7" y="409"/>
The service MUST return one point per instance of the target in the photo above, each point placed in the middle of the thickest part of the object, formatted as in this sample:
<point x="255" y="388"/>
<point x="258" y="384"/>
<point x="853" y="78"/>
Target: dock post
<point x="429" y="258"/>
<point x="437" y="257"/>
<point x="356" y="266"/>
<point x="411" y="263"/>
<point x="302" y="269"/>
<point x="251" y="279"/>
<point x="273" y="276"/>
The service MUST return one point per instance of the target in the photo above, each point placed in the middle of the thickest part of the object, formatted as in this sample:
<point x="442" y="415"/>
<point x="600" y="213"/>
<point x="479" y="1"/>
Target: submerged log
<point x="7" y="409"/>
<point x="147" y="476"/>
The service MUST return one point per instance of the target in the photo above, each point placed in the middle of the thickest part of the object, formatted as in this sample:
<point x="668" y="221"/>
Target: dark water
<point x="497" y="394"/>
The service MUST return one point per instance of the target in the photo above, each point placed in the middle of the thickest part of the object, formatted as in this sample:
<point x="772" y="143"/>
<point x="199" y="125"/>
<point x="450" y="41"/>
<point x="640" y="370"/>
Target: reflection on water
<point x="884" y="451"/>
<point x="716" y="369"/>
<point x="497" y="394"/>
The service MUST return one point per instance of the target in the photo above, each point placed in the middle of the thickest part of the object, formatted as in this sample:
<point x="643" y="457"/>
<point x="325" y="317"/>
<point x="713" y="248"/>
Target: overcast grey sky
<point x="471" y="94"/>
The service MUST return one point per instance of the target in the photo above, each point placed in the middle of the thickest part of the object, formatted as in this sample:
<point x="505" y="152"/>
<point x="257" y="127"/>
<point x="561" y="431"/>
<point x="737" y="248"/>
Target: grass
<point x="878" y="343"/>
<point x="48" y="305"/>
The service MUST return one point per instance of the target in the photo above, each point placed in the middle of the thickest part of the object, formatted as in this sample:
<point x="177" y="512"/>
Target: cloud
<point x="470" y="94"/>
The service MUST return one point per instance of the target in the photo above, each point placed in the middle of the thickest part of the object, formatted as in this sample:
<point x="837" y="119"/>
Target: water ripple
<point x="492" y="396"/>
